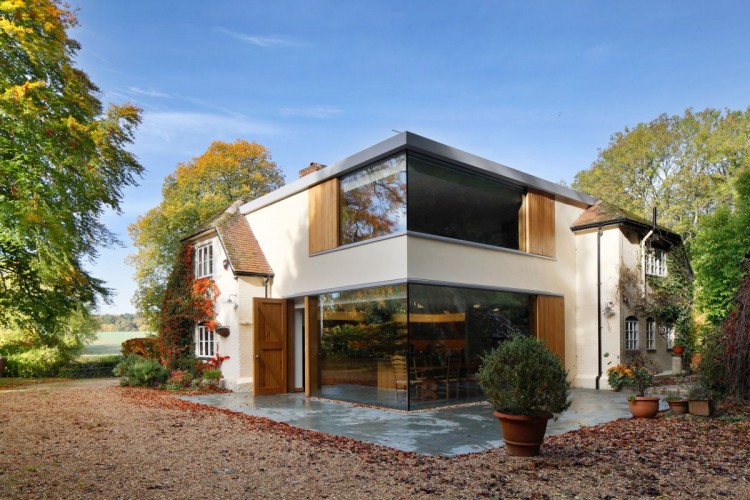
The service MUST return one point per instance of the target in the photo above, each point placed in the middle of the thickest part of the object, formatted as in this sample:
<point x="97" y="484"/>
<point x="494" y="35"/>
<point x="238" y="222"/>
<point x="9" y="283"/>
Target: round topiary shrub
<point x="522" y="377"/>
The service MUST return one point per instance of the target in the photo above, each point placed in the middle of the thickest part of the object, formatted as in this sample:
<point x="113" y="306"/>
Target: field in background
<point x="108" y="343"/>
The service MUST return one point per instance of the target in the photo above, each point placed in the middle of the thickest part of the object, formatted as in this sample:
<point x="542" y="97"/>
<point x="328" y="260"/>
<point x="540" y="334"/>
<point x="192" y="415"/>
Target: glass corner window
<point x="373" y="201"/>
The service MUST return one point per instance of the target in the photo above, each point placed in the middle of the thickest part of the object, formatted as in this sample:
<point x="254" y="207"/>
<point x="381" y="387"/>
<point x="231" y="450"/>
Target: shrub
<point x="139" y="371"/>
<point x="522" y="377"/>
<point x="212" y="374"/>
<point x="642" y="371"/>
<point x="36" y="362"/>
<point x="147" y="347"/>
<point x="91" y="368"/>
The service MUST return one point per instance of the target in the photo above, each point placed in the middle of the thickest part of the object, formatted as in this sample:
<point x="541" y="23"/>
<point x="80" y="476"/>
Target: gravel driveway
<point x="94" y="439"/>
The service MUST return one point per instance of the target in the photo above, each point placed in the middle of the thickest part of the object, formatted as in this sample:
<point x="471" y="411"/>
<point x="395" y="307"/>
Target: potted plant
<point x="641" y="378"/>
<point x="618" y="376"/>
<point x="677" y="404"/>
<point x="526" y="384"/>
<point x="701" y="401"/>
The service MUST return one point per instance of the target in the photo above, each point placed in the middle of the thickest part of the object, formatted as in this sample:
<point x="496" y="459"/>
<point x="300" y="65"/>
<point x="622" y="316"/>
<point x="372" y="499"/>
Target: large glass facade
<point x="361" y="332"/>
<point x="414" y="346"/>
<point x="448" y="202"/>
<point x="373" y="201"/>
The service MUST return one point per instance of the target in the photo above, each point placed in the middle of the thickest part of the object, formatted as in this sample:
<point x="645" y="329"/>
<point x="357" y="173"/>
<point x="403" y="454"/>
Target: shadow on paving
<point x="443" y="431"/>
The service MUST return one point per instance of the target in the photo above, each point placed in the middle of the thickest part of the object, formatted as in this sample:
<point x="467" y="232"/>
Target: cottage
<point x="383" y="278"/>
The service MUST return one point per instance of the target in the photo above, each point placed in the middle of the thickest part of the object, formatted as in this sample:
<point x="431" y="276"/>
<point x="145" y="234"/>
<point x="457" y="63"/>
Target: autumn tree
<point x="63" y="163"/>
<point x="680" y="165"/>
<point x="194" y="192"/>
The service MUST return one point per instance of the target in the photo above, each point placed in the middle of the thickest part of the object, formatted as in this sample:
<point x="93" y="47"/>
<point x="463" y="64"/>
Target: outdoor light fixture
<point x="229" y="299"/>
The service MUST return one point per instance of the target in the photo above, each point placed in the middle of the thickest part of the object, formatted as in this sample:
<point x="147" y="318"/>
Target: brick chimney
<point x="314" y="167"/>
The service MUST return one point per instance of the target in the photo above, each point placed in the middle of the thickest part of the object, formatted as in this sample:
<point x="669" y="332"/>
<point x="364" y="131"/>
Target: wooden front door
<point x="270" y="332"/>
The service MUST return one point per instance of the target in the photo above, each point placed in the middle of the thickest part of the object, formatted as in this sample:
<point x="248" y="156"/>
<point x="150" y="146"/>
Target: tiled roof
<point x="602" y="213"/>
<point x="241" y="246"/>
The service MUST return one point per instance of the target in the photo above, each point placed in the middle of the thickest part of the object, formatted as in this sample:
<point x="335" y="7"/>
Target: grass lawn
<point x="108" y="343"/>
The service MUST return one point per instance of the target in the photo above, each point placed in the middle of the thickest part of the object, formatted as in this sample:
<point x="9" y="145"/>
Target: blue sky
<point x="539" y="86"/>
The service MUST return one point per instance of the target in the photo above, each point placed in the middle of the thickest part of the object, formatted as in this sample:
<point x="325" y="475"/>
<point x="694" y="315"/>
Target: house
<point x="382" y="279"/>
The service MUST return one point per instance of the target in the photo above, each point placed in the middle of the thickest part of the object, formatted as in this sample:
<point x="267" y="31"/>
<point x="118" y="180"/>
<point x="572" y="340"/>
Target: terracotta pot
<point x="678" y="407"/>
<point x="523" y="436"/>
<point x="678" y="350"/>
<point x="701" y="407"/>
<point x="644" y="407"/>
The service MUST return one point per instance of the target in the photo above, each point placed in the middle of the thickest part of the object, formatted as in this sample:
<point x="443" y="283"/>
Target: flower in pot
<point x="619" y="376"/>
<point x="526" y="384"/>
<point x="641" y="378"/>
<point x="678" y="405"/>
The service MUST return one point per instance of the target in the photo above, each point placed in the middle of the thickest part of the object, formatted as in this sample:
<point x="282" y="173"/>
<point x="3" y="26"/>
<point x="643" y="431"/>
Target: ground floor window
<point x="631" y="333"/>
<point x="205" y="342"/>
<point x="413" y="346"/>
<point x="650" y="334"/>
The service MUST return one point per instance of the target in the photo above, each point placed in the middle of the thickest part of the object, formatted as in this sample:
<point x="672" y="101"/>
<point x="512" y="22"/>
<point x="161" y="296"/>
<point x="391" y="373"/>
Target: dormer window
<point x="204" y="261"/>
<point x="656" y="262"/>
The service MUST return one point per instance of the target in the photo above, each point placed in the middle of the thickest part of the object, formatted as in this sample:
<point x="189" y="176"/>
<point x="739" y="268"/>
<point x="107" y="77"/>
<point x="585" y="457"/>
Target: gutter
<point x="599" y="303"/>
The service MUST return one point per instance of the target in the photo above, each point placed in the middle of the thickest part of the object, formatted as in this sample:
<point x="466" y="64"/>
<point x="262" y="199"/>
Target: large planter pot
<point x="644" y="407"/>
<point x="701" y="407"/>
<point x="523" y="436"/>
<point x="679" y="407"/>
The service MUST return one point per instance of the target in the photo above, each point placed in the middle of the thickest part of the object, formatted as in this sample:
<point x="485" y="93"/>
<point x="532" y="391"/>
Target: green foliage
<point x="522" y="377"/>
<point x="63" y="164"/>
<point x="138" y="371"/>
<point x="641" y="371"/>
<point x="191" y="195"/>
<point x="718" y="249"/>
<point x="213" y="374"/>
<point x="35" y="355"/>
<point x="91" y="368"/>
<point x="679" y="164"/>
<point x="36" y="362"/>
<point x="671" y="297"/>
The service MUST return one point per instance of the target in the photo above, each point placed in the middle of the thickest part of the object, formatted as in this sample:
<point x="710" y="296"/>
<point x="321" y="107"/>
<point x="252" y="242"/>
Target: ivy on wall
<point x="185" y="303"/>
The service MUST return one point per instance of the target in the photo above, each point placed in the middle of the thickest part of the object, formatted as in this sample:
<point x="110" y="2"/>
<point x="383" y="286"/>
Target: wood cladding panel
<point x="549" y="323"/>
<point x="323" y="215"/>
<point x="540" y="223"/>
<point x="312" y="343"/>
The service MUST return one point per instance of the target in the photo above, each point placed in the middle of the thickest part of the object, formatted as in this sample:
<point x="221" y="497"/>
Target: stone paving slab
<point x="443" y="431"/>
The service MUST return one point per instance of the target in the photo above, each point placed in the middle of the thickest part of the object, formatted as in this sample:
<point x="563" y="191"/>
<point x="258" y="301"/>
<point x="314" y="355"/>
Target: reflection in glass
<point x="362" y="330"/>
<point x="448" y="202"/>
<point x="450" y="328"/>
<point x="373" y="201"/>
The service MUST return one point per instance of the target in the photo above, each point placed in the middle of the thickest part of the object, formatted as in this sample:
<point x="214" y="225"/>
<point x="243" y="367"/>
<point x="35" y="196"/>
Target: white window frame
<point x="206" y="345"/>
<point x="656" y="262"/>
<point x="204" y="261"/>
<point x="650" y="334"/>
<point x="631" y="333"/>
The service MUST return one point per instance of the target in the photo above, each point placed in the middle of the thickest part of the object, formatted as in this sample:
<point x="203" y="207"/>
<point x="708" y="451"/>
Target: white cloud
<point x="147" y="92"/>
<point x="268" y="41"/>
<point x="312" y="111"/>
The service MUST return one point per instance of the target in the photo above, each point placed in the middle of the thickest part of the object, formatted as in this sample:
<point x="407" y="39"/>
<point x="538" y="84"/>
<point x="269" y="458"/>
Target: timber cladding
<point x="540" y="223"/>
<point x="324" y="216"/>
<point x="549" y="323"/>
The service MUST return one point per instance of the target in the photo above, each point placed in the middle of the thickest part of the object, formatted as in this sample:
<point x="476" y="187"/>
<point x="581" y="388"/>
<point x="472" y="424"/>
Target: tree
<point x="193" y="193"/>
<point x="718" y="251"/>
<point x="63" y="163"/>
<point x="679" y="164"/>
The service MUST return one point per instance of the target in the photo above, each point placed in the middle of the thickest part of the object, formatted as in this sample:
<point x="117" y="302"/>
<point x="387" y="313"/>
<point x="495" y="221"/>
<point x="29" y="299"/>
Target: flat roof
<point x="412" y="142"/>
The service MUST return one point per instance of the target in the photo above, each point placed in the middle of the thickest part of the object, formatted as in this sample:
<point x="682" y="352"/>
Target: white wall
<point x="282" y="232"/>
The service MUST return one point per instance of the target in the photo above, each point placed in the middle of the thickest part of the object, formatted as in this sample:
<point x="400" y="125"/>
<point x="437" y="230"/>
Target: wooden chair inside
<point x="452" y="378"/>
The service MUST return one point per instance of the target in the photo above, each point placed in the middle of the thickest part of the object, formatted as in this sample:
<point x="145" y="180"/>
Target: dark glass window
<point x="363" y="346"/>
<point x="448" y="202"/>
<point x="373" y="201"/>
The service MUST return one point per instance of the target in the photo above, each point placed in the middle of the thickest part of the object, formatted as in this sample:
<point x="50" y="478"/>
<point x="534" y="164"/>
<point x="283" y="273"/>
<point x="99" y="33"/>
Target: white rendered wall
<point x="282" y="232"/>
<point x="588" y="312"/>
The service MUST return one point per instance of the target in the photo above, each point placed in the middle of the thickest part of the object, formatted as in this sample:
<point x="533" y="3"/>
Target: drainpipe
<point x="643" y="252"/>
<point x="265" y="284"/>
<point x="599" y="302"/>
